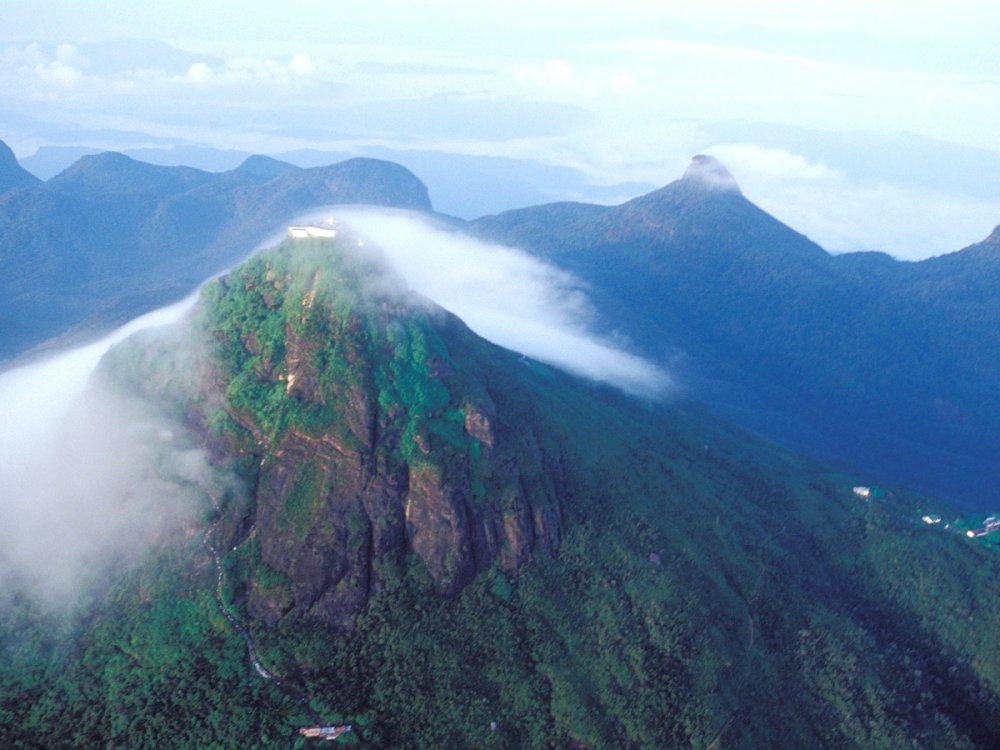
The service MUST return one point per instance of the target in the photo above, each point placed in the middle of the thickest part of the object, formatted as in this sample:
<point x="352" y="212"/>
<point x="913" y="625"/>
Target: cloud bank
<point x="622" y="98"/>
<point x="503" y="294"/>
<point x="847" y="215"/>
<point x="90" y="477"/>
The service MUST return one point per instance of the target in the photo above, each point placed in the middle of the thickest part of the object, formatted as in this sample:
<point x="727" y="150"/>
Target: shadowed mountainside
<point x="12" y="174"/>
<point x="890" y="366"/>
<point x="111" y="237"/>
<point x="448" y="545"/>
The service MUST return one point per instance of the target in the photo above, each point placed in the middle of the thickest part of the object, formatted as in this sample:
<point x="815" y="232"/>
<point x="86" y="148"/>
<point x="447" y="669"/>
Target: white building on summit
<point x="301" y="231"/>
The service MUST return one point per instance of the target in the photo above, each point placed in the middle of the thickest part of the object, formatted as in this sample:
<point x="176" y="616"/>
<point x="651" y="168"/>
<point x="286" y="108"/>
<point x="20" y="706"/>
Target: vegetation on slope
<point x="707" y="589"/>
<point x="886" y="365"/>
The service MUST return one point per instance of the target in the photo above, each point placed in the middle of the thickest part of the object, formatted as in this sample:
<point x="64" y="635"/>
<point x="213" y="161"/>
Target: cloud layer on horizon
<point x="627" y="107"/>
<point x="843" y="215"/>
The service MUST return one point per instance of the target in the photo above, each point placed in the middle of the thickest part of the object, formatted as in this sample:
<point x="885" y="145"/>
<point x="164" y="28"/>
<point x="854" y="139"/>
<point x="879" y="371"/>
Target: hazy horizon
<point x="865" y="127"/>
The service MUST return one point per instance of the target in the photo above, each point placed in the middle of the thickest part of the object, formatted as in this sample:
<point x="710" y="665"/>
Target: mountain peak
<point x="12" y="174"/>
<point x="708" y="172"/>
<point x="264" y="166"/>
<point x="111" y="175"/>
<point x="389" y="396"/>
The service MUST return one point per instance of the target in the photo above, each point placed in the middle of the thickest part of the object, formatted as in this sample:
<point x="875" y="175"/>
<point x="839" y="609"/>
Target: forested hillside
<point x="448" y="545"/>
<point x="857" y="358"/>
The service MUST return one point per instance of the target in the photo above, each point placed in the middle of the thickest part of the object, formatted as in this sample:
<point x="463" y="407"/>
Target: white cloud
<point x="68" y="54"/>
<point x="550" y="74"/>
<point x="623" y="82"/>
<point x="842" y="215"/>
<point x="199" y="73"/>
<point x="59" y="73"/>
<point x="773" y="163"/>
<point x="504" y="295"/>
<point x="302" y="65"/>
<point x="564" y="80"/>
<point x="20" y="57"/>
<point x="89" y="477"/>
<point x="264" y="71"/>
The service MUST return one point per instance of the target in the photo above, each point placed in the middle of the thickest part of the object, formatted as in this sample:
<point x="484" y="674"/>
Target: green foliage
<point x="316" y="301"/>
<point x="297" y="511"/>
<point x="708" y="590"/>
<point x="143" y="672"/>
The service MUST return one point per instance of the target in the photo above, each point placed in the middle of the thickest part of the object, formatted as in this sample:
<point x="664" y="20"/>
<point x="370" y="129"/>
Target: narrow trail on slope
<point x="749" y="601"/>
<point x="293" y="693"/>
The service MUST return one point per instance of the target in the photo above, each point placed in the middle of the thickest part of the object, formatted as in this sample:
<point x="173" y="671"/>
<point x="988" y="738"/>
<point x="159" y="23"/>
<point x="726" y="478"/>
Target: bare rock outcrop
<point x="368" y="442"/>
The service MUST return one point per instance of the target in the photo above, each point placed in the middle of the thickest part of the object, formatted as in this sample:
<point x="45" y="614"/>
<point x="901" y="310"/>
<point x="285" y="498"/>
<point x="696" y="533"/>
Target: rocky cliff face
<point x="365" y="439"/>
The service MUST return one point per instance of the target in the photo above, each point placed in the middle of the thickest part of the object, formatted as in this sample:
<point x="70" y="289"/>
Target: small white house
<point x="312" y="230"/>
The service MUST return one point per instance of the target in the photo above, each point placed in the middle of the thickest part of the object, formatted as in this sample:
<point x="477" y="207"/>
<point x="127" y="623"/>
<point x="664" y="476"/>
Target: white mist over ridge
<point x="503" y="294"/>
<point x="89" y="477"/>
<point x="35" y="393"/>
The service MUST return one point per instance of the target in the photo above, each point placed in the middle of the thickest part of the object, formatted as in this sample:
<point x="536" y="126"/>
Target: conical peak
<point x="709" y="172"/>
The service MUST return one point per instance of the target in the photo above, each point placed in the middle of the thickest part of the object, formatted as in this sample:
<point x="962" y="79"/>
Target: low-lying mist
<point x="90" y="477"/>
<point x="503" y="294"/>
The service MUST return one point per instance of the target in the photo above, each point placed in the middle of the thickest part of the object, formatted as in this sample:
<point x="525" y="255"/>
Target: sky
<point x="865" y="125"/>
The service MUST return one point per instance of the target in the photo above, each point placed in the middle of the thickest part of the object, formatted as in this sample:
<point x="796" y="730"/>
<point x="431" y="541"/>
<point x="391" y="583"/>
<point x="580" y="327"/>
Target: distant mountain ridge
<point x="12" y="174"/>
<point x="114" y="176"/>
<point x="111" y="237"/>
<point x="460" y="184"/>
<point x="885" y="364"/>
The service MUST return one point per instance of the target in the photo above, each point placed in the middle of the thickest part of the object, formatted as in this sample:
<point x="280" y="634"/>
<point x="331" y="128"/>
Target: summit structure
<point x="711" y="173"/>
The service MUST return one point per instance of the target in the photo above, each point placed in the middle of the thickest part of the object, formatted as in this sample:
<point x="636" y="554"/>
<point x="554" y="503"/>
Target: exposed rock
<point x="335" y="507"/>
<point x="707" y="171"/>
<point x="479" y="423"/>
<point x="437" y="524"/>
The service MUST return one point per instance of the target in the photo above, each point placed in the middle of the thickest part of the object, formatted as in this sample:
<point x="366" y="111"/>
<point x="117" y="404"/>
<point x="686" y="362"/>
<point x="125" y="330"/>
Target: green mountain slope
<point x="886" y="365"/>
<point x="448" y="545"/>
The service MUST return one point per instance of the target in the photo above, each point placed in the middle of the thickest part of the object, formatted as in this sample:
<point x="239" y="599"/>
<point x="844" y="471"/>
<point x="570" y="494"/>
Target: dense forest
<point x="665" y="580"/>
